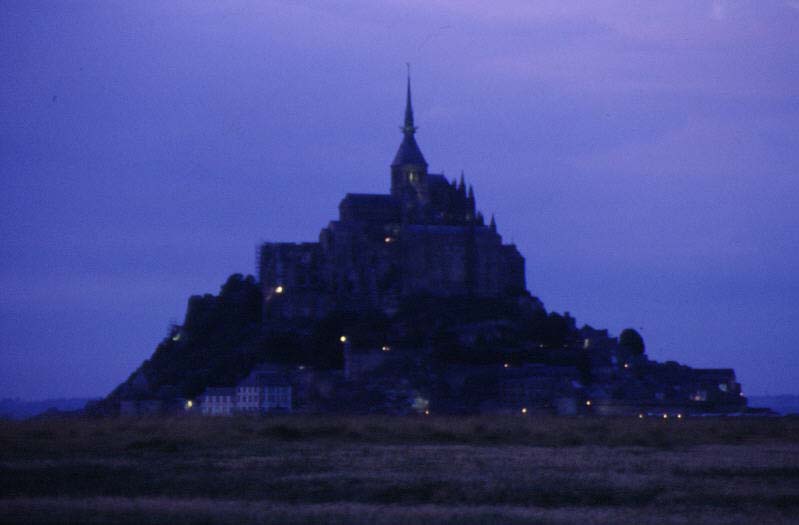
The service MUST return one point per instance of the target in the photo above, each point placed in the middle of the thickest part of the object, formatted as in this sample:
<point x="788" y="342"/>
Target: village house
<point x="267" y="389"/>
<point x="218" y="402"/>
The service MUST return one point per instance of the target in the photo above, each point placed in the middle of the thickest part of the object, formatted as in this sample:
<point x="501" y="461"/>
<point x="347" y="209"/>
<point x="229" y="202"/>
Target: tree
<point x="631" y="340"/>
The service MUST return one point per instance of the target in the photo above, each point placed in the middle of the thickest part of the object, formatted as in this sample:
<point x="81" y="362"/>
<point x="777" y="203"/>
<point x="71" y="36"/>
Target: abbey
<point x="424" y="238"/>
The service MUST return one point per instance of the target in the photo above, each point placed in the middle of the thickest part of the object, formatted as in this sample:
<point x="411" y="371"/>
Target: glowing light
<point x="665" y="416"/>
<point x="626" y="365"/>
<point x="388" y="240"/>
<point x="640" y="416"/>
<point x="506" y="365"/>
<point x="588" y="403"/>
<point x="386" y="348"/>
<point x="279" y="289"/>
<point x="343" y="338"/>
<point x="679" y="416"/>
<point x="189" y="403"/>
<point x="421" y="405"/>
<point x="176" y="337"/>
<point x="524" y="410"/>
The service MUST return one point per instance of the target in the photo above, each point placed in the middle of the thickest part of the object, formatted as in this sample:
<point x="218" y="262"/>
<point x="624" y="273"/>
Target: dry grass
<point x="400" y="470"/>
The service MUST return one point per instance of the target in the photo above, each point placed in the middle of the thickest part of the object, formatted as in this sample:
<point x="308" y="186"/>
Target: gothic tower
<point x="409" y="169"/>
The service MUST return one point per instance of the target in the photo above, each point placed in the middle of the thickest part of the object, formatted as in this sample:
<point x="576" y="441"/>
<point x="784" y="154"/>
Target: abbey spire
<point x="409" y="153"/>
<point x="408" y="128"/>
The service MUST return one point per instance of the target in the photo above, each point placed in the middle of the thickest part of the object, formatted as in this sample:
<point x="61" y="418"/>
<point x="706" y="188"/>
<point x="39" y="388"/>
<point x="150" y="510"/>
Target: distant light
<point x="189" y="403"/>
<point x="343" y="338"/>
<point x="279" y="289"/>
<point x="524" y="410"/>
<point x="665" y="416"/>
<point x="176" y="337"/>
<point x="427" y="412"/>
<point x="506" y="365"/>
<point x="588" y="403"/>
<point x="679" y="416"/>
<point x="626" y="365"/>
<point x="386" y="348"/>
<point x="388" y="240"/>
<point x="301" y="367"/>
<point x="640" y="416"/>
<point x="586" y="343"/>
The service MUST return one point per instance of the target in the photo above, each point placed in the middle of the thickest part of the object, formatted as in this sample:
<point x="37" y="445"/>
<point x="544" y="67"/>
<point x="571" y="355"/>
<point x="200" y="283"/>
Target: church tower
<point x="409" y="169"/>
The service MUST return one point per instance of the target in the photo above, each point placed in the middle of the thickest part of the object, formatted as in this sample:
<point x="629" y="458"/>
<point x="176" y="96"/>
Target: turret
<point x="470" y="204"/>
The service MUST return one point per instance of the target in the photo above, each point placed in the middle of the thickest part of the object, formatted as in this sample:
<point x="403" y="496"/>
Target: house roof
<point x="265" y="379"/>
<point x="219" y="391"/>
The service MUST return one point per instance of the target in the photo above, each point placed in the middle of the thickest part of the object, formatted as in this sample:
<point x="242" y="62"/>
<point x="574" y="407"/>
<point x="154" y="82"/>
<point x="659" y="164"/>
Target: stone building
<point x="218" y="401"/>
<point x="266" y="389"/>
<point x="424" y="237"/>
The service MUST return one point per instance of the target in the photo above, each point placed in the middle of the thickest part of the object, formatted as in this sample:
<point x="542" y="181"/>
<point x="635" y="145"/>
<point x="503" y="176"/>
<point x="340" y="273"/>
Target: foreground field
<point x="400" y="470"/>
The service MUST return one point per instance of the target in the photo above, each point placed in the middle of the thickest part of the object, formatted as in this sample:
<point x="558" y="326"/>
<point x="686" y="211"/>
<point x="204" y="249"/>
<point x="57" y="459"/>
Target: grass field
<point x="305" y="469"/>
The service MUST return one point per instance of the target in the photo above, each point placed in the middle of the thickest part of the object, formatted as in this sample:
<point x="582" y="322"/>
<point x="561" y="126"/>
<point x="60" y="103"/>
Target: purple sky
<point x="643" y="156"/>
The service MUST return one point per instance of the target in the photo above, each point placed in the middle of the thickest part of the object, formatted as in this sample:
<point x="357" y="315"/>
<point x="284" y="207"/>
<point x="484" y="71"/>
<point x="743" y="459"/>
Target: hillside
<point x="222" y="338"/>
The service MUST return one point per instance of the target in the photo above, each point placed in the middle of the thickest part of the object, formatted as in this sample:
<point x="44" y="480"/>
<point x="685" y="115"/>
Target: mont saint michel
<point x="257" y="270"/>
<point x="409" y="302"/>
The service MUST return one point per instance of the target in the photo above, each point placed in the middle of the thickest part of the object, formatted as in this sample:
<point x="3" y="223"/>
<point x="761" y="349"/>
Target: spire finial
<point x="408" y="128"/>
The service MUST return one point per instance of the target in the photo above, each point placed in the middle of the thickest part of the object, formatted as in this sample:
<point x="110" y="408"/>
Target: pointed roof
<point x="409" y="152"/>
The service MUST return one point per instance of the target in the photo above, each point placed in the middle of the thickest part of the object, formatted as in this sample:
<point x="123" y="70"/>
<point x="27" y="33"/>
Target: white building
<point x="218" y="402"/>
<point x="266" y="389"/>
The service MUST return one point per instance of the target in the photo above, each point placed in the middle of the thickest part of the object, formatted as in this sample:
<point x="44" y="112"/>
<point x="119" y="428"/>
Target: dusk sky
<point x="643" y="156"/>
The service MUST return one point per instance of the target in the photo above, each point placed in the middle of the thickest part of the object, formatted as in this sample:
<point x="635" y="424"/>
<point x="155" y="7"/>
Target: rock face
<point x="424" y="238"/>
